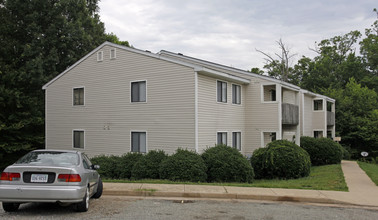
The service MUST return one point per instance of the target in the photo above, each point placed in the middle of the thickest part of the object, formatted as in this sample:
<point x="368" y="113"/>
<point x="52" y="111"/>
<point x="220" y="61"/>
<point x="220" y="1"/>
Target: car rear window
<point x="51" y="158"/>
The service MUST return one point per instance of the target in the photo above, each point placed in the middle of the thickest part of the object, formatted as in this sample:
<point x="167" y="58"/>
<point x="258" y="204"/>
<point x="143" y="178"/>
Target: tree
<point x="357" y="116"/>
<point x="40" y="39"/>
<point x="279" y="68"/>
<point x="257" y="71"/>
<point x="369" y="51"/>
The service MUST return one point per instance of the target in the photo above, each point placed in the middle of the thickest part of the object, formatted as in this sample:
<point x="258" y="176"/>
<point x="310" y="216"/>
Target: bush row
<point x="217" y="164"/>
<point x="280" y="159"/>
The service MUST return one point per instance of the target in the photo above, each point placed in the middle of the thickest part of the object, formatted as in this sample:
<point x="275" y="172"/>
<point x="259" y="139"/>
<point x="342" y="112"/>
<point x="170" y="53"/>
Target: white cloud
<point x="227" y="31"/>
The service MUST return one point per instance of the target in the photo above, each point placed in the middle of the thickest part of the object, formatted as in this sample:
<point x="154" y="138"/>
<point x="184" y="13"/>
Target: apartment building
<point x="118" y="99"/>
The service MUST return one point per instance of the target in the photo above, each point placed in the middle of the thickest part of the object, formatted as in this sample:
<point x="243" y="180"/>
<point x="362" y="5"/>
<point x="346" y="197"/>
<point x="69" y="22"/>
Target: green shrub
<point x="258" y="162"/>
<point x="107" y="166"/>
<point x="184" y="165"/>
<point x="148" y="166"/>
<point x="281" y="159"/>
<point x="226" y="164"/>
<point x="126" y="164"/>
<point x="322" y="151"/>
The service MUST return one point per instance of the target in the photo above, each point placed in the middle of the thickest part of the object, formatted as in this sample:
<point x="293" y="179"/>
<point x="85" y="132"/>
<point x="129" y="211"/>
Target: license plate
<point x="39" y="178"/>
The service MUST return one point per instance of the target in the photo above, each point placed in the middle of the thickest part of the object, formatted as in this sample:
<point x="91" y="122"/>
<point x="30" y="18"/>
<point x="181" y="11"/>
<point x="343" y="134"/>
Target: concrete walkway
<point x="362" y="191"/>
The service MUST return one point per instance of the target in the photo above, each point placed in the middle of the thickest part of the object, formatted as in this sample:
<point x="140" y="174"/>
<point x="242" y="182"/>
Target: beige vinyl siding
<point x="108" y="116"/>
<point x="216" y="117"/>
<point x="289" y="96"/>
<point x="318" y="120"/>
<point x="308" y="116"/>
<point x="260" y="117"/>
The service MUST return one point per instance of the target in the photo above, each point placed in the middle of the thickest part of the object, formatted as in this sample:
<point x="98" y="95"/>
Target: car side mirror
<point x="95" y="167"/>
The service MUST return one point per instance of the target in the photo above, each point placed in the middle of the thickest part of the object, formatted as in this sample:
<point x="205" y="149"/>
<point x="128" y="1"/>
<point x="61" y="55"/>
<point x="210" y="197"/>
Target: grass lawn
<point x="329" y="177"/>
<point x="371" y="170"/>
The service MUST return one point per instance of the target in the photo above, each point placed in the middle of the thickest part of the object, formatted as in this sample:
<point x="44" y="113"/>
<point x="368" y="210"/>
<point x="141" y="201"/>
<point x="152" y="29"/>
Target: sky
<point x="228" y="32"/>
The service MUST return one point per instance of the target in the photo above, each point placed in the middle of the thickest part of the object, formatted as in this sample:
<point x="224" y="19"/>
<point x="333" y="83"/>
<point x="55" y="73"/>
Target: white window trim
<point x="131" y="91"/>
<point x="241" y="138"/>
<point x="232" y="94"/>
<point x="101" y="53"/>
<point x="322" y="130"/>
<point x="216" y="137"/>
<point x="115" y="54"/>
<point x="131" y="143"/>
<point x="314" y="105"/>
<point x="72" y="96"/>
<point x="72" y="139"/>
<point x="216" y="92"/>
<point x="267" y="131"/>
<point x="262" y="93"/>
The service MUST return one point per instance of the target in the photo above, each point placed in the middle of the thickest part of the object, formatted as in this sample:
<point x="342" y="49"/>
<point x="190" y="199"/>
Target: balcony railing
<point x="330" y="118"/>
<point x="290" y="114"/>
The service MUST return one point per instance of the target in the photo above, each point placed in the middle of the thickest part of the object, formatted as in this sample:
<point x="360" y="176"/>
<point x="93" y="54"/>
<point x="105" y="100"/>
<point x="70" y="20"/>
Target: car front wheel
<point x="10" y="207"/>
<point x="83" y="206"/>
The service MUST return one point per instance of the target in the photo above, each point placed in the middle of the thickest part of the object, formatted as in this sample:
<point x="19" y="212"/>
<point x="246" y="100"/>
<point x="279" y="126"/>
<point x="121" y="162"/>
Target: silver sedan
<point x="60" y="176"/>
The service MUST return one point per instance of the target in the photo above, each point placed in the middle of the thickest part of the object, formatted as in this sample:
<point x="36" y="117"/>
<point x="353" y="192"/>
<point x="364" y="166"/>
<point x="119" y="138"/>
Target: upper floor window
<point x="78" y="139"/>
<point x="138" y="91"/>
<point x="78" y="96"/>
<point x="100" y="55"/>
<point x="138" y="142"/>
<point x="329" y="106"/>
<point x="222" y="138"/>
<point x="112" y="53"/>
<point x="318" y="105"/>
<point x="236" y="140"/>
<point x="221" y="91"/>
<point x="236" y="94"/>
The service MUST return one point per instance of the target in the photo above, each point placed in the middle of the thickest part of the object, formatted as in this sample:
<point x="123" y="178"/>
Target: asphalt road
<point x="113" y="207"/>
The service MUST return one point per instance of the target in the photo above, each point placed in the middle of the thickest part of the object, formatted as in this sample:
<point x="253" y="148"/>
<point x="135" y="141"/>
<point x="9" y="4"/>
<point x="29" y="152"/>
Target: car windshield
<point x="51" y="158"/>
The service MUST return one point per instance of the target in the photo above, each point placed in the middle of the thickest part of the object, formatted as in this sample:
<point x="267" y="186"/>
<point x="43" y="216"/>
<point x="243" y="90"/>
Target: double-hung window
<point x="236" y="140"/>
<point x="78" y="96"/>
<point x="78" y="139"/>
<point x="236" y="94"/>
<point x="222" y="138"/>
<point x="138" y="142"/>
<point x="221" y="91"/>
<point x="138" y="91"/>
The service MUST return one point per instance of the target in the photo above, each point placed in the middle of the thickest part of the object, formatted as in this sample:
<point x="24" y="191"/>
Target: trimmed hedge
<point x="184" y="165"/>
<point x="126" y="164"/>
<point x="108" y="166"/>
<point x="322" y="151"/>
<point x="148" y="166"/>
<point x="281" y="159"/>
<point x="226" y="164"/>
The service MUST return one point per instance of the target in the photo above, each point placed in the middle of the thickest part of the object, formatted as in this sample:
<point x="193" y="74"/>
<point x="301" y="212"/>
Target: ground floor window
<point x="329" y="134"/>
<point x="236" y="140"/>
<point x="138" y="142"/>
<point x="318" y="134"/>
<point x="222" y="138"/>
<point x="268" y="137"/>
<point x="78" y="139"/>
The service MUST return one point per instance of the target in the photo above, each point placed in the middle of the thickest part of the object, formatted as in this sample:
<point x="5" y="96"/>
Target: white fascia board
<point x="285" y="84"/>
<point x="317" y="95"/>
<point x="220" y="75"/>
